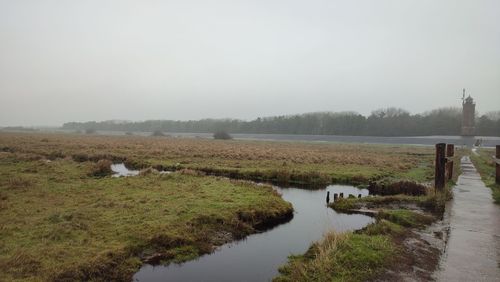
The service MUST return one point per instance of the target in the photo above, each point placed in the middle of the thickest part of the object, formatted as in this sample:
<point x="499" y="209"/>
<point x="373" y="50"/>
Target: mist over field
<point x="64" y="61"/>
<point x="249" y="140"/>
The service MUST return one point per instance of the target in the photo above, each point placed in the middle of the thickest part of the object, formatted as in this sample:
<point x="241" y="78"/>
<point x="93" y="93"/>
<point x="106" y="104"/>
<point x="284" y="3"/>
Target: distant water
<point x="488" y="141"/>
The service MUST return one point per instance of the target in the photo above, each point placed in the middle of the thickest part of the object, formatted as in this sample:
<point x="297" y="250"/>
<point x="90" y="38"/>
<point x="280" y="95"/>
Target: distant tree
<point x="222" y="135"/>
<point x="494" y="115"/>
<point x="157" y="133"/>
<point x="382" y="122"/>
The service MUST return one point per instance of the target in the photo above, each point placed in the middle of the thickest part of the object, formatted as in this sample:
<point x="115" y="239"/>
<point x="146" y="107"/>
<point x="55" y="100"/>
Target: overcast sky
<point x="97" y="60"/>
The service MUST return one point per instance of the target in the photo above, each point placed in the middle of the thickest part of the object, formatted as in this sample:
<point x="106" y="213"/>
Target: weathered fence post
<point x="497" y="155"/>
<point x="335" y="197"/>
<point x="328" y="197"/>
<point x="439" y="177"/>
<point x="450" y="152"/>
<point x="341" y="195"/>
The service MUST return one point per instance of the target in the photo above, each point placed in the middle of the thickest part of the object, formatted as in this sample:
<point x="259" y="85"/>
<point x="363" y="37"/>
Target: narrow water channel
<point x="121" y="170"/>
<point x="258" y="256"/>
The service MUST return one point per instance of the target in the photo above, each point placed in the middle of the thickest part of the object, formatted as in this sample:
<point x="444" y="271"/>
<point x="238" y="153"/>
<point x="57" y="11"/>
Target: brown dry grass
<point x="289" y="161"/>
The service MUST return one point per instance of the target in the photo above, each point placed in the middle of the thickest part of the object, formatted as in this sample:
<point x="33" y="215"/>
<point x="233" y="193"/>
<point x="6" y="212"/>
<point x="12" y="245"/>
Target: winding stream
<point x="258" y="256"/>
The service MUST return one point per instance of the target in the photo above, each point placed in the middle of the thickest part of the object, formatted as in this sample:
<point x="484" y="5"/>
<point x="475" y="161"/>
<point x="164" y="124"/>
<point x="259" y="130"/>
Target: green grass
<point x="384" y="227"/>
<point x="355" y="256"/>
<point x="340" y="257"/>
<point x="406" y="218"/>
<point x="57" y="222"/>
<point x="486" y="167"/>
<point x="430" y="202"/>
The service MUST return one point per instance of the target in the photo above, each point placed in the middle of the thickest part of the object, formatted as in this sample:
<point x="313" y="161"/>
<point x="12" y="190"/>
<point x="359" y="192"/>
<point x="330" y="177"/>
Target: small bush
<point x="101" y="168"/>
<point x="222" y="135"/>
<point x="399" y="187"/>
<point x="158" y="133"/>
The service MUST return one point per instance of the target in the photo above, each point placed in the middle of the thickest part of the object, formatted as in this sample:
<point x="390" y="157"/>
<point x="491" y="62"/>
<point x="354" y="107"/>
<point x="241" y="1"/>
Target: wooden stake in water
<point x="328" y="197"/>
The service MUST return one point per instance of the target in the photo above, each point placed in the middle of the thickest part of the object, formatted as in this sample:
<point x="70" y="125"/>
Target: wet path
<point x="473" y="250"/>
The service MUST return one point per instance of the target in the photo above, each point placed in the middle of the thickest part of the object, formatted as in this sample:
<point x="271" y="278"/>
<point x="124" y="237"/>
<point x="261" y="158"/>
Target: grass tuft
<point x="406" y="218"/>
<point x="101" y="168"/>
<point x="340" y="257"/>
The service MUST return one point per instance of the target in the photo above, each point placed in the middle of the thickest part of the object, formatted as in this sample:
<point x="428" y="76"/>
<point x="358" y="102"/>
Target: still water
<point x="121" y="170"/>
<point x="258" y="256"/>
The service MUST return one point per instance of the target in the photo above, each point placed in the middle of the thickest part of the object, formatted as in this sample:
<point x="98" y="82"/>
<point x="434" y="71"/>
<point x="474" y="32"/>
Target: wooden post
<point x="359" y="195"/>
<point x="439" y="177"/>
<point x="341" y="195"/>
<point x="328" y="197"/>
<point x="498" y="165"/>
<point x="335" y="197"/>
<point x="450" y="152"/>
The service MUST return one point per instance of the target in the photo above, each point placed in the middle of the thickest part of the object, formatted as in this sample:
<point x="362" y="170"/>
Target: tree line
<point x="382" y="122"/>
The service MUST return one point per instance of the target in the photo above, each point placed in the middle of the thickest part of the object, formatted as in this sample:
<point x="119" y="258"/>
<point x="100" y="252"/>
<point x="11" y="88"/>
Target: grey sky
<point x="72" y="60"/>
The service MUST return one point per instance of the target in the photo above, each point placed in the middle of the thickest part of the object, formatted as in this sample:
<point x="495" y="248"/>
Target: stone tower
<point x="468" y="115"/>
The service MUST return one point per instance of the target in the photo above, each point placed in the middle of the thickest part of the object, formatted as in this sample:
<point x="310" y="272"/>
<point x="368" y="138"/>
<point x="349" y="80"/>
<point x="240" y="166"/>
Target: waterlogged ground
<point x="62" y="219"/>
<point x="293" y="162"/>
<point x="258" y="257"/>
<point x="59" y="223"/>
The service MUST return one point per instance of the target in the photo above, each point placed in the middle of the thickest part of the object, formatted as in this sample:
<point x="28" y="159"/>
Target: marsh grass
<point x="59" y="223"/>
<point x="292" y="163"/>
<point x="486" y="167"/>
<point x="340" y="257"/>
<point x="355" y="256"/>
<point x="70" y="225"/>
<point x="16" y="182"/>
<point x="406" y="218"/>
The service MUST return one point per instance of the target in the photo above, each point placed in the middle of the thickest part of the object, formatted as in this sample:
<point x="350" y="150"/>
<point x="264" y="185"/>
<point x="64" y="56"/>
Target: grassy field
<point x="61" y="217"/>
<point x="57" y="222"/>
<point x="282" y="162"/>
<point x="486" y="166"/>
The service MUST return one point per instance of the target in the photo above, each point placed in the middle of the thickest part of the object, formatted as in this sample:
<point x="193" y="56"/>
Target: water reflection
<point x="121" y="170"/>
<point x="258" y="257"/>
